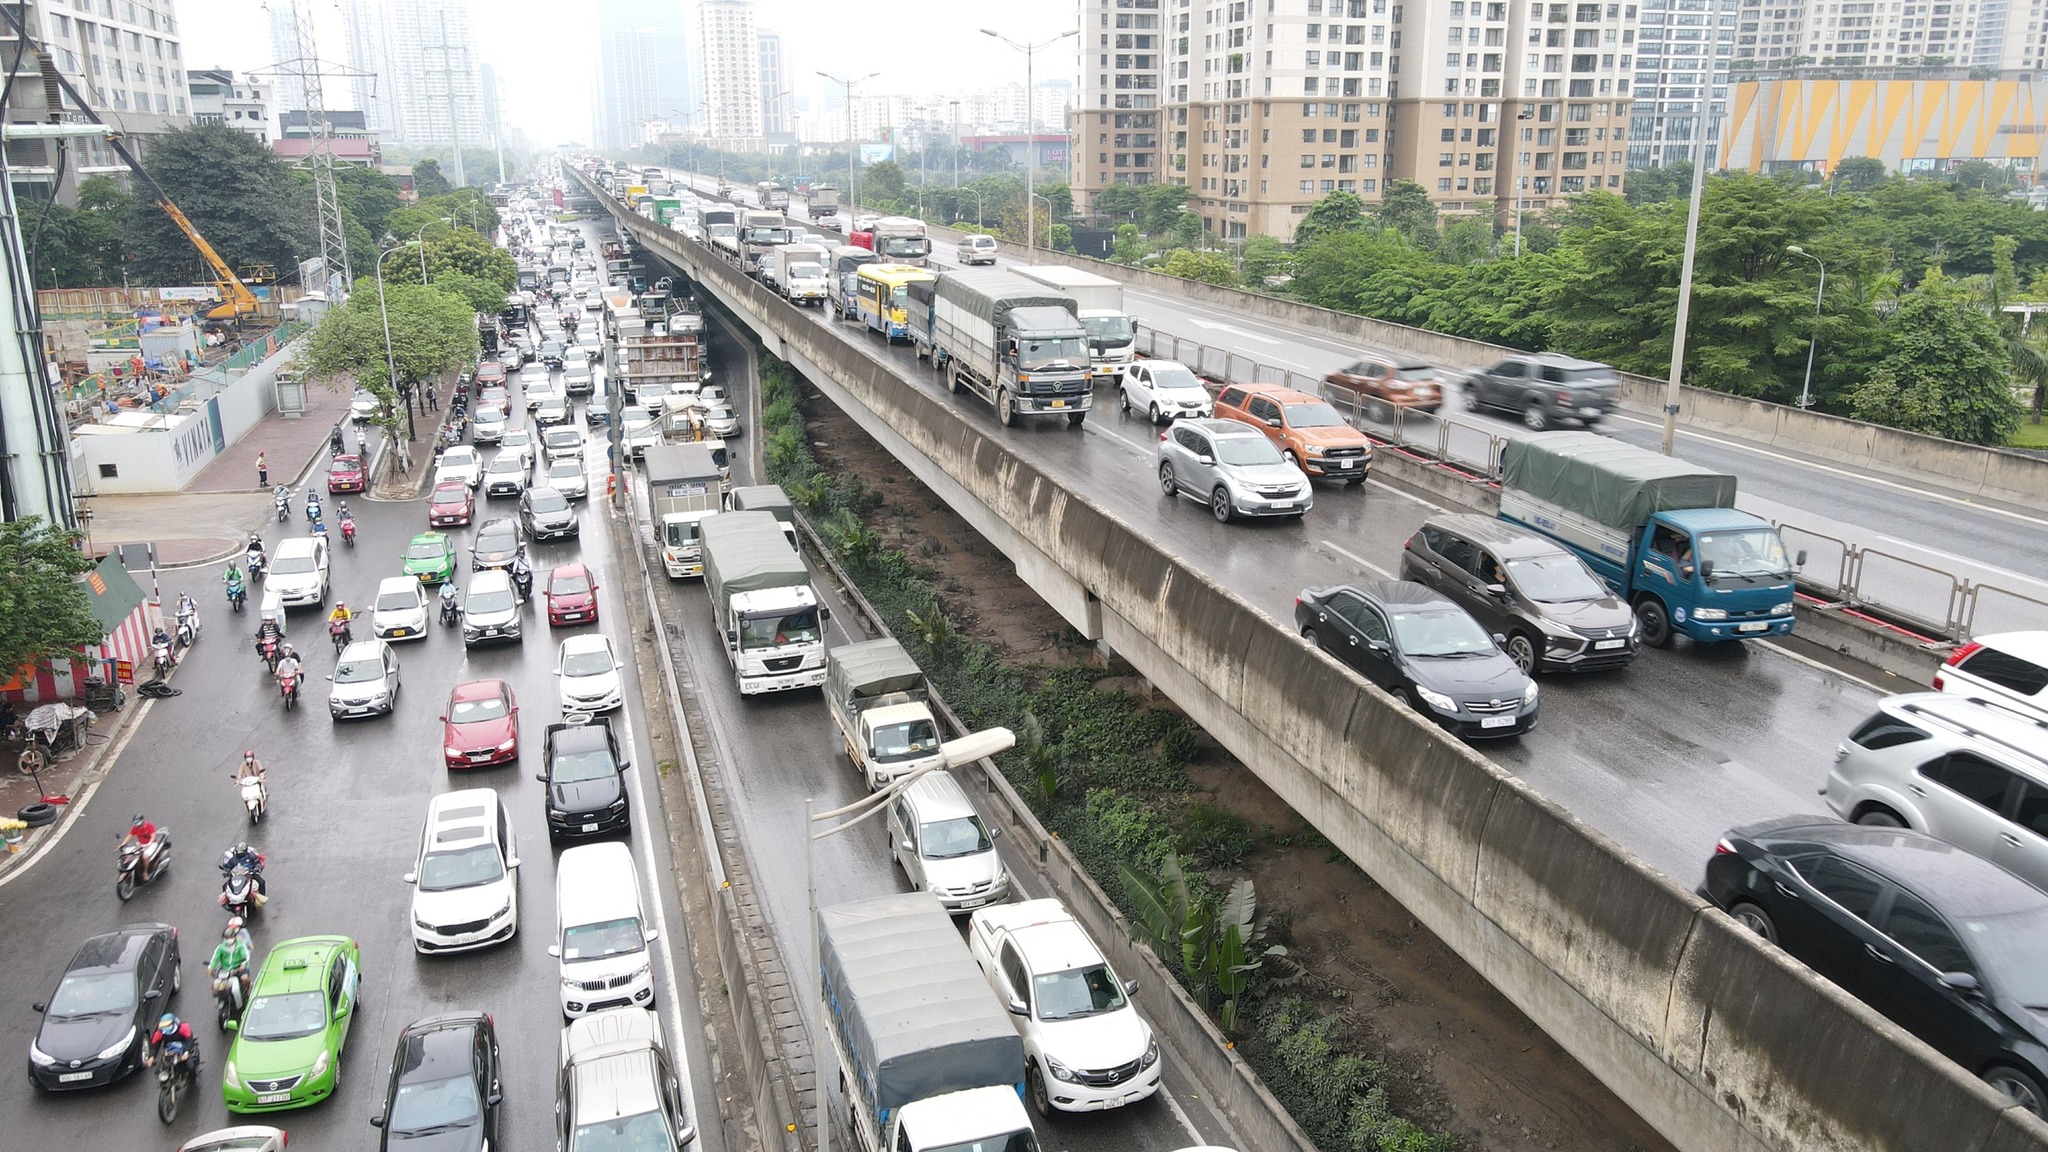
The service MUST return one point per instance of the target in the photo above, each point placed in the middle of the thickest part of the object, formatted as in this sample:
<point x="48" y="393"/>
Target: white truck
<point x="769" y="498"/>
<point x="879" y="699"/>
<point x="796" y="272"/>
<point x="1099" y="303"/>
<point x="682" y="489"/>
<point x="762" y="603"/>
<point x="928" y="1057"/>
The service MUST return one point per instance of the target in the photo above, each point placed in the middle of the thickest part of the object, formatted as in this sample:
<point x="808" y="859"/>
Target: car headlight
<point x="452" y="752"/>
<point x="1059" y="1071"/>
<point x="619" y="805"/>
<point x="228" y="1079"/>
<point x="1151" y="1055"/>
<point x="1315" y="449"/>
<point x="116" y="1048"/>
<point x="320" y="1066"/>
<point x="1529" y="696"/>
<point x="419" y="923"/>
<point x="1710" y="613"/>
<point x="1436" y="700"/>
<point x="39" y="1057"/>
<point x="645" y="970"/>
<point x="1784" y="609"/>
<point x="504" y="910"/>
<point x="507" y="744"/>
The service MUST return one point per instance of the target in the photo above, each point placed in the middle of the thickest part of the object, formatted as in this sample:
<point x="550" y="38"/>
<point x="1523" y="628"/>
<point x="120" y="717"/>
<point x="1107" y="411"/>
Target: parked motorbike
<point x="132" y="869"/>
<point x="188" y="629"/>
<point x="173" y="1079"/>
<point x="288" y="687"/>
<point x="255" y="797"/>
<point x="160" y="657"/>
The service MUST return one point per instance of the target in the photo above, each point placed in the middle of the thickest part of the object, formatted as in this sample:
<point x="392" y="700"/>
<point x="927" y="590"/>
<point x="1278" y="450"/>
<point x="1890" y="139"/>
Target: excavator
<point x="236" y="299"/>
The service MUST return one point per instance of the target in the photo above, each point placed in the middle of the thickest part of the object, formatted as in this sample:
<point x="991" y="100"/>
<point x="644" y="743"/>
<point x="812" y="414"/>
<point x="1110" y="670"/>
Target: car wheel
<point x="1523" y="653"/>
<point x="1471" y="397"/>
<point x="177" y="978"/>
<point x="1152" y="413"/>
<point x="1755" y="919"/>
<point x="1880" y="818"/>
<point x="1167" y="485"/>
<point x="1219" y="504"/>
<point x="1535" y="417"/>
<point x="2019" y="1087"/>
<point x="1034" y="1084"/>
<point x="1308" y="637"/>
<point x="1123" y="401"/>
<point x="1654" y="622"/>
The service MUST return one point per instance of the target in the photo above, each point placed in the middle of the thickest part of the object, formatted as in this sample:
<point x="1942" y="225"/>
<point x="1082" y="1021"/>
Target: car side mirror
<point x="1799" y="561"/>
<point x="1272" y="421"/>
<point x="554" y="949"/>
<point x="511" y="862"/>
<point x="824" y="614"/>
<point x="1205" y="461"/>
<point x="1706" y="569"/>
<point x="907" y="846"/>
<point x="495" y="1099"/>
<point x="443" y="719"/>
<point x="376" y="1121"/>
<point x="1017" y="1007"/>
<point x="731" y="636"/>
<point x="651" y="935"/>
<point x="1500" y="590"/>
<point x="1130" y="987"/>
<point x="541" y="776"/>
<point x="1959" y="982"/>
<point x="232" y="1024"/>
<point x="1500" y="639"/>
<point x="995" y="833"/>
<point x="330" y="676"/>
<point x="687" y="1135"/>
<point x="558" y="671"/>
<point x="411" y="877"/>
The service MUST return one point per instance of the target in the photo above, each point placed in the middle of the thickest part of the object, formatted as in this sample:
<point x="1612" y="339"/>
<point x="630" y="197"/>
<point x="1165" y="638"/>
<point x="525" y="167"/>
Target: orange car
<point x="1307" y="431"/>
<point x="490" y="372"/>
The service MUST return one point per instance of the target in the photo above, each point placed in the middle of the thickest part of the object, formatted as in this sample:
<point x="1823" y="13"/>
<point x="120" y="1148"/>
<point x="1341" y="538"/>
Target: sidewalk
<point x="72" y="776"/>
<point x="291" y="446"/>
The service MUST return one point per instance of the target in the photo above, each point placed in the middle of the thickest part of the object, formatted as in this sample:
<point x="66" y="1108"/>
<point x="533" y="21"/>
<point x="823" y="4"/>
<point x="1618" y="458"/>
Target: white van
<point x="297" y="572"/>
<point x="466" y="880"/>
<point x="944" y="847"/>
<point x="601" y="931"/>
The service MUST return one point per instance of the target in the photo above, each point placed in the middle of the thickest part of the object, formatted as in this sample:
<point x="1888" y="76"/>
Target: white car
<point x="720" y="420"/>
<point x="539" y="390"/>
<point x="362" y="405"/>
<point x="465" y="881"/>
<point x="488" y="425"/>
<point x="2010" y="666"/>
<point x="506" y="476"/>
<point x="400" y="612"/>
<point x="460" y="462"/>
<point x="577" y="378"/>
<point x="244" y="1138"/>
<point x="1085" y="1049"/>
<point x="566" y="476"/>
<point x="517" y="442"/>
<point x="562" y="442"/>
<point x="640" y="429"/>
<point x="1164" y="390"/>
<point x="590" y="675"/>
<point x="977" y="250"/>
<point x="553" y="410"/>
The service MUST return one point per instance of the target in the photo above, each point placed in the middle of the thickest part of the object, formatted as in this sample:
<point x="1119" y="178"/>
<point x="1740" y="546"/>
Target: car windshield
<point x="574" y="585"/>
<point x="476" y="711"/>
<point x="644" y="1132"/>
<point x="292" y="565"/>
<point x="399" y="600"/>
<point x="516" y="439"/>
<point x="1316" y="415"/>
<point x="589" y="662"/>
<point x="1109" y="329"/>
<point x="94" y="994"/>
<point x="490" y="542"/>
<point x="1753" y="553"/>
<point x="945" y="839"/>
<point x="434" y="1105"/>
<point x="358" y="671"/>
<point x="548" y="501"/>
<point x="450" y="494"/>
<point x="345" y="464"/>
<point x="1079" y="992"/>
<point x="427" y="550"/>
<point x="799" y="627"/>
<point x="489" y="415"/>
<point x="903" y="741"/>
<point x="1246" y="450"/>
<point x="1025" y="1141"/>
<point x="1445" y="632"/>
<point x="806" y="270"/>
<point x="285" y="1017"/>
<point x="582" y="767"/>
<point x="1070" y="351"/>
<point x="510" y="464"/>
<point x="1173" y="377"/>
<point x="565" y="469"/>
<point x="906" y="246"/>
<point x="604" y="938"/>
<point x="491" y="603"/>
<point x="1560" y="578"/>
<point x="463" y="868"/>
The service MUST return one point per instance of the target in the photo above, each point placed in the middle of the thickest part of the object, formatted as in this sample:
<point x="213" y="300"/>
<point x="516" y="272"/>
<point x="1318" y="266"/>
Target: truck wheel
<point x="1654" y="621"/>
<point x="1076" y="419"/>
<point x="958" y="387"/>
<point x="1006" y="408"/>
<point x="1535" y="417"/>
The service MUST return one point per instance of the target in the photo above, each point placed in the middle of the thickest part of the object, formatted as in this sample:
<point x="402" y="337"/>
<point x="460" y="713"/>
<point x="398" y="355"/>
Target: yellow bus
<point x="884" y="297"/>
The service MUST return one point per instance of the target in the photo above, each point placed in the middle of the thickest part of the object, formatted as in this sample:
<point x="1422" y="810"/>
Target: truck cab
<point x="1716" y="573"/>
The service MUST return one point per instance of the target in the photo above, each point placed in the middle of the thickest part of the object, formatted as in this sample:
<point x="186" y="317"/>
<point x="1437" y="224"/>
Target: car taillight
<point x="1961" y="654"/>
<point x="1564" y="398"/>
<point x="1723" y="847"/>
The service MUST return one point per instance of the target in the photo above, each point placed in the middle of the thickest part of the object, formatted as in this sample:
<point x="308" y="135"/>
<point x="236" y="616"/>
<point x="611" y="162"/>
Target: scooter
<point x="255" y="796"/>
<point x="288" y="687"/>
<point x="188" y="629"/>
<point x="133" y="870"/>
<point x="312" y="509"/>
<point x="348" y="533"/>
<point x="160" y="656"/>
<point x="227" y="999"/>
<point x="283" y="501"/>
<point x="266" y="647"/>
<point x="255" y="562"/>
<point x="173" y="1079"/>
<point x="238" y="892"/>
<point x="338" y="631"/>
<point x="237" y="594"/>
<point x="451" y="615"/>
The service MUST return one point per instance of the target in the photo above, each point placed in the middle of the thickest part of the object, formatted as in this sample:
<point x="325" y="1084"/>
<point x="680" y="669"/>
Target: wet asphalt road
<point x="347" y="800"/>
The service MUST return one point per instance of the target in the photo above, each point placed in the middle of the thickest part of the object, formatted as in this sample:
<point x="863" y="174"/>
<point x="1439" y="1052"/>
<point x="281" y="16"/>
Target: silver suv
<point x="1973" y="772"/>
<point x="1232" y="467"/>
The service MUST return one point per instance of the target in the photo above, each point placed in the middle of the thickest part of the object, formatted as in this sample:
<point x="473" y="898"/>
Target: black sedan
<point x="96" y="1023"/>
<point x="1415" y="643"/>
<point x="496" y="545"/>
<point x="586" y="781"/>
<point x="1946" y="944"/>
<point x="443" y="1094"/>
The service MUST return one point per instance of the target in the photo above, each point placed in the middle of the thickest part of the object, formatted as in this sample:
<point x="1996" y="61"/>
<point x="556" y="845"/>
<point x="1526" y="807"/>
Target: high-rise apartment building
<point x="646" y="71"/>
<point x="730" y="63"/>
<point x="1117" y="121"/>
<point x="778" y="115"/>
<point x="421" y="87"/>
<point x="124" y="58"/>
<point x="2002" y="35"/>
<point x="1684" y="49"/>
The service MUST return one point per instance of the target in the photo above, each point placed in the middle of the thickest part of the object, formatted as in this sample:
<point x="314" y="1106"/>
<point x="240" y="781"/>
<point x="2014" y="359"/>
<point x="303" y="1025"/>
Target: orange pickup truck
<point x="1306" y="430"/>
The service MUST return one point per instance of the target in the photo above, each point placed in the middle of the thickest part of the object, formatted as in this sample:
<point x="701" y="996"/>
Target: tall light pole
<point x="1030" y="125"/>
<point x="419" y="237"/>
<point x="852" y="191"/>
<point x="956" y="143"/>
<point x="1692" y="244"/>
<point x="384" y="313"/>
<point x="1806" y="388"/>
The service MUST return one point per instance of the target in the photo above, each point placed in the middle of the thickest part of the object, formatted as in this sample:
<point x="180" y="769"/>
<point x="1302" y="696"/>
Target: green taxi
<point x="287" y="1047"/>
<point x="431" y="557"/>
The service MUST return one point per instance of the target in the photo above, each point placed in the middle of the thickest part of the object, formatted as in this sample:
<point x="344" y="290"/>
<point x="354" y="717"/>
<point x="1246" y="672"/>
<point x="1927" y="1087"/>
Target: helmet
<point x="248" y="753"/>
<point x="233" y="926"/>
<point x="167" y="1021"/>
<point x="289" y="651"/>
<point x="140" y="819"/>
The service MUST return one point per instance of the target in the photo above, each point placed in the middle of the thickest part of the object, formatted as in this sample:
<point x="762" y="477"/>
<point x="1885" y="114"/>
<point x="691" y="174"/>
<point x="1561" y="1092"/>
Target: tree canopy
<point x="241" y="197"/>
<point x="43" y="608"/>
<point x="428" y="180"/>
<point x="432" y="332"/>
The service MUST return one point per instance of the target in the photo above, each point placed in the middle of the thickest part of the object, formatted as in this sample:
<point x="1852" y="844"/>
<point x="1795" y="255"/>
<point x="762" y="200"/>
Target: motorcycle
<point x="227" y="998"/>
<point x="160" y="656"/>
<point x="267" y="648"/>
<point x="255" y="797"/>
<point x="237" y="593"/>
<point x="348" y="533"/>
<point x="254" y="562"/>
<point x="173" y="1078"/>
<point x="450" y="614"/>
<point x="338" y="632"/>
<point x="283" y="501"/>
<point x="133" y="871"/>
<point x="288" y="687"/>
<point x="312" y="509"/>
<point x="238" y="892"/>
<point x="188" y="628"/>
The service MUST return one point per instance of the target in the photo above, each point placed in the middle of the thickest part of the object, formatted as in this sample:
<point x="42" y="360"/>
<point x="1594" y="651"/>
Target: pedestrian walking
<point x="432" y="399"/>
<point x="262" y="471"/>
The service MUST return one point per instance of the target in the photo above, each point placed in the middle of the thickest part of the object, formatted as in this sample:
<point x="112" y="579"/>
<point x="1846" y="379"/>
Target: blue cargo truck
<point x="1664" y="534"/>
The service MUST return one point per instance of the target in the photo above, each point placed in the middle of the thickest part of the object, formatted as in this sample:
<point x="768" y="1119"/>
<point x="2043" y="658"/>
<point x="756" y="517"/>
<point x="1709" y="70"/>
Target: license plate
<point x="1337" y="463"/>
<point x="490" y="632"/>
<point x="272" y="1097"/>
<point x="1759" y="626"/>
<point x="1589" y="411"/>
<point x="479" y="757"/>
<point x="1607" y="645"/>
<point x="1059" y="403"/>
<point x="1496" y="721"/>
<point x="590" y="827"/>
<point x="401" y="631"/>
<point x="73" y="1077"/>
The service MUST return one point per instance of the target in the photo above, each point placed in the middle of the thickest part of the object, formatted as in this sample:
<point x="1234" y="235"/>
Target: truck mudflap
<point x="1715" y="631"/>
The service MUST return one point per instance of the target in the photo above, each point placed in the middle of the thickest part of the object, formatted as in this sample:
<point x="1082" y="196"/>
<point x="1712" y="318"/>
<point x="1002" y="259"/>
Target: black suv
<point x="586" y="781"/>
<point x="1545" y="388"/>
<point x="1946" y="944"/>
<point x="1553" y="612"/>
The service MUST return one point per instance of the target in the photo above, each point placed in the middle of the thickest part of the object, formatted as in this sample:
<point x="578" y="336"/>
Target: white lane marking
<point x="2007" y="572"/>
<point x="1098" y="426"/>
<point x="1831" y="670"/>
<point x="1233" y="330"/>
<point x="78" y="803"/>
<point x="1355" y="558"/>
<point x="1405" y="495"/>
<point x="643" y="847"/>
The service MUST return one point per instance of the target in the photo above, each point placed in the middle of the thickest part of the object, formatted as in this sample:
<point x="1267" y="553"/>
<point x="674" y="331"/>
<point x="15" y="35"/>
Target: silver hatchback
<point x="1233" y="468"/>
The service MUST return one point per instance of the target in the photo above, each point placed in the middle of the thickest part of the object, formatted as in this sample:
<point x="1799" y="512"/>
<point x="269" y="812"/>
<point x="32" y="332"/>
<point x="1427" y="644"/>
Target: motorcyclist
<point x="312" y="506"/>
<point x="142" y="831"/>
<point x="448" y="607"/>
<point x="160" y="644"/>
<point x="251" y="768"/>
<point x="337" y="621"/>
<point x="232" y="578"/>
<point x="287" y="663"/>
<point x="253" y="556"/>
<point x="188" y="612"/>
<point x="319" y="528"/>
<point x="269" y="630"/>
<point x="522" y="577"/>
<point x="248" y="860"/>
<point x="168" y="1029"/>
<point x="281" y="495"/>
<point x="230" y="957"/>
<point x="334" y="440"/>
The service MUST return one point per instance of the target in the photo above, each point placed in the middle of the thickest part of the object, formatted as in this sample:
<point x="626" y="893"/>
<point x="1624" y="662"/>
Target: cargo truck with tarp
<point x="768" y="615"/>
<point x="879" y="699"/>
<point x="1664" y="534"/>
<point x="683" y="487"/>
<point x="1014" y="343"/>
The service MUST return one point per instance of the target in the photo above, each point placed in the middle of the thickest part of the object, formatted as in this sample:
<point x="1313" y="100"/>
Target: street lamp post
<point x="1030" y="125"/>
<point x="956" y="143"/>
<point x="419" y="238"/>
<point x="384" y="313"/>
<point x="852" y="190"/>
<point x="1806" y="388"/>
<point x="977" y="206"/>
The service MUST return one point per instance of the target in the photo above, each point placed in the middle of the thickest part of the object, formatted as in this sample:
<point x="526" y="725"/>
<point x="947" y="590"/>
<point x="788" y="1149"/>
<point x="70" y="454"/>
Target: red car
<point x="452" y="503"/>
<point x="481" y="725"/>
<point x="345" y="474"/>
<point x="490" y="372"/>
<point x="572" y="596"/>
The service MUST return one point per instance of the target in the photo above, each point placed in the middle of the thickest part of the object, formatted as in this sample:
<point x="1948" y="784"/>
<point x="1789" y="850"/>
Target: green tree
<point x="1160" y="206"/>
<point x="1127" y="248"/>
<point x="1186" y="229"/>
<point x="1207" y="267"/>
<point x="43" y="608"/>
<point x="1060" y="195"/>
<point x="427" y="179"/>
<point x="1264" y="258"/>
<point x="367" y="195"/>
<point x="83" y="246"/>
<point x="1945" y="370"/>
<point x="1370" y="272"/>
<point x="1118" y="200"/>
<point x="1853" y="175"/>
<point x="1337" y="212"/>
<point x="1405" y="206"/>
<point x="480" y="294"/>
<point x="457" y="250"/>
<point x="432" y="333"/>
<point x="880" y="179"/>
<point x="240" y="196"/>
<point x="1467" y="241"/>
<point x="1062" y="239"/>
<point x="1656" y="185"/>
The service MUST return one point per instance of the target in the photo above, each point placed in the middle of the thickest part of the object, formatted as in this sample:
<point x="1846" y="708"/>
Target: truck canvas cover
<point x="916" y="1014"/>
<point x="869" y="669"/>
<point x="747" y="552"/>
<point x="762" y="498"/>
<point x="989" y="294"/>
<point x="1616" y="484"/>
<point x="670" y="465"/>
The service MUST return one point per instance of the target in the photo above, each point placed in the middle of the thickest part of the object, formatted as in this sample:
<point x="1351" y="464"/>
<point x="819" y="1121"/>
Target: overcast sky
<point x="547" y="59"/>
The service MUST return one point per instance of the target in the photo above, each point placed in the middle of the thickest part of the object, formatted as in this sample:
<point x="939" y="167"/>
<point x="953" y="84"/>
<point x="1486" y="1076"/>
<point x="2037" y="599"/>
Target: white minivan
<point x="601" y="931"/>
<point x="466" y="881"/>
<point x="298" y="572"/>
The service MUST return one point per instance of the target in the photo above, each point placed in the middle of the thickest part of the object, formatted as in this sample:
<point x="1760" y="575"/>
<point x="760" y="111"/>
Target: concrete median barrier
<point x="1720" y="1043"/>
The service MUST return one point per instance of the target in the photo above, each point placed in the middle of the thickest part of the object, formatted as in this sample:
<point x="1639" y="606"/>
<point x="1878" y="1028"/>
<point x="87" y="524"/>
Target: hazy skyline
<point x="547" y="65"/>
